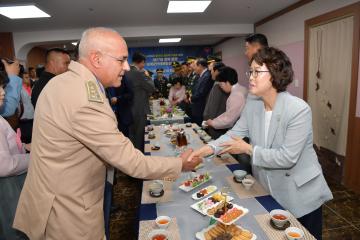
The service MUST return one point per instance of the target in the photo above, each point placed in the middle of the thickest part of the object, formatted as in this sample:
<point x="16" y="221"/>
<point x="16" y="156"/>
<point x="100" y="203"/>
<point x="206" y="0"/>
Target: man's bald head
<point x="99" y="39"/>
<point x="104" y="52"/>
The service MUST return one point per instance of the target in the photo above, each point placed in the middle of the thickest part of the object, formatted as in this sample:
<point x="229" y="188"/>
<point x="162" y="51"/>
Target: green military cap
<point x="212" y="58"/>
<point x="175" y="64"/>
<point x="160" y="70"/>
<point x="190" y="59"/>
<point x="150" y="73"/>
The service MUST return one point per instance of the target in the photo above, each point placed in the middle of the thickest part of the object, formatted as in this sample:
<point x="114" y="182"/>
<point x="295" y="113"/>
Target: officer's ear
<point x="95" y="59"/>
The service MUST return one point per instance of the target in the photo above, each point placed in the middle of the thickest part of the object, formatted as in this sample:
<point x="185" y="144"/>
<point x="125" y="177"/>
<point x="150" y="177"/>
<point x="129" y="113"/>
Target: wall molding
<point x="282" y="12"/>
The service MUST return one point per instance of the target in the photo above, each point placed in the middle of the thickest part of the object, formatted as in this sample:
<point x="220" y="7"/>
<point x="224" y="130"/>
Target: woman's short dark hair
<point x="227" y="74"/>
<point x="4" y="80"/>
<point x="218" y="65"/>
<point x="138" y="57"/>
<point x="279" y="66"/>
<point x="176" y="80"/>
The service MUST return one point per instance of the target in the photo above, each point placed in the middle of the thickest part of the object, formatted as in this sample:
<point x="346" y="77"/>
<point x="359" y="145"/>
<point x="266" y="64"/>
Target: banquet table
<point x="159" y="115"/>
<point x="177" y="206"/>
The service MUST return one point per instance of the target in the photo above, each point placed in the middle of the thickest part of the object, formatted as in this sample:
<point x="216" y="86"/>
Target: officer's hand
<point x="28" y="147"/>
<point x="189" y="165"/>
<point x="11" y="68"/>
<point x="113" y="100"/>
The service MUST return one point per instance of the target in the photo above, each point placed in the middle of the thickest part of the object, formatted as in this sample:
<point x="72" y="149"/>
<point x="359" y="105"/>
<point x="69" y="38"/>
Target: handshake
<point x="189" y="161"/>
<point x="191" y="158"/>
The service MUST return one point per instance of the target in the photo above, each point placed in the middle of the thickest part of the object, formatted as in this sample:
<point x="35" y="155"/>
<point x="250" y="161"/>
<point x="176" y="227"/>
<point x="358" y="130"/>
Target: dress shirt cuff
<point x="254" y="155"/>
<point x="214" y="148"/>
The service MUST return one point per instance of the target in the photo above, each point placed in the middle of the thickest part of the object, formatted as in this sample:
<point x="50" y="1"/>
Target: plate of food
<point x="216" y="231"/>
<point x="210" y="202"/>
<point x="227" y="213"/>
<point x="204" y="192"/>
<point x="195" y="182"/>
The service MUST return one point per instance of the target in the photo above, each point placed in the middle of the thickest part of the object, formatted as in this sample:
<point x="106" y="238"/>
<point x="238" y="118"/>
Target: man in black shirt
<point x="57" y="61"/>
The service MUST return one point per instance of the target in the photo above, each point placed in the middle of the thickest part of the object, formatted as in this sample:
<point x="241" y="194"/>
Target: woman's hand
<point x="201" y="152"/>
<point x="209" y="122"/>
<point x="236" y="146"/>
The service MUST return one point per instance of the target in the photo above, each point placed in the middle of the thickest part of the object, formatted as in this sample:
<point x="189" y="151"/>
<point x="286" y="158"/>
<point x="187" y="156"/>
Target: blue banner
<point x="162" y="57"/>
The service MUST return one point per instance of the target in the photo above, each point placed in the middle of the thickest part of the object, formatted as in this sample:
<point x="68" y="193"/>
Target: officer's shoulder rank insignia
<point x="93" y="92"/>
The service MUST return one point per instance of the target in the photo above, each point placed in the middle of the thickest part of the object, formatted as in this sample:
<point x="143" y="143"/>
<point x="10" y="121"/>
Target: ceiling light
<point x="169" y="40"/>
<point x="187" y="6"/>
<point x="29" y="11"/>
<point x="74" y="43"/>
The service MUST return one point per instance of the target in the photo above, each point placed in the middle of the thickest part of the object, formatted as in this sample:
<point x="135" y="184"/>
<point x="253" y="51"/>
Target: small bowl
<point x="207" y="138"/>
<point x="224" y="156"/>
<point x="156" y="187"/>
<point x="188" y="124"/>
<point x="248" y="183"/>
<point x="153" y="233"/>
<point x="163" y="221"/>
<point x="277" y="221"/>
<point x="239" y="174"/>
<point x="292" y="231"/>
<point x="151" y="135"/>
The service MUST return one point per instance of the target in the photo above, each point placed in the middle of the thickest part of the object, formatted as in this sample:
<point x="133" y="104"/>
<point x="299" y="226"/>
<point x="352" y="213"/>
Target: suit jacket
<point x="39" y="86"/>
<point x="125" y="98"/>
<point x="216" y="102"/>
<point x="287" y="165"/>
<point x="201" y="90"/>
<point x="75" y="136"/>
<point x="143" y="87"/>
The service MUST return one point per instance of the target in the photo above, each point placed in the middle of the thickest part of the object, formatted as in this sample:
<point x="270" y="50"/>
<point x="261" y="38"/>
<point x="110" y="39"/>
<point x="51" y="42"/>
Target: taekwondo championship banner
<point x="162" y="57"/>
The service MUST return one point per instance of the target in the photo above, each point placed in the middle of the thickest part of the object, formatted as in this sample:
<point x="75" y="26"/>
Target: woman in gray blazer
<point x="279" y="126"/>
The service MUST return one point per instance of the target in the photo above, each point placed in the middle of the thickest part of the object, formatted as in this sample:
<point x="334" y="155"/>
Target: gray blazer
<point x="287" y="165"/>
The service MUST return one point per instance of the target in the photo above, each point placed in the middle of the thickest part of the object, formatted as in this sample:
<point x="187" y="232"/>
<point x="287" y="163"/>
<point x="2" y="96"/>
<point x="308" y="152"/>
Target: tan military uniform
<point x="75" y="135"/>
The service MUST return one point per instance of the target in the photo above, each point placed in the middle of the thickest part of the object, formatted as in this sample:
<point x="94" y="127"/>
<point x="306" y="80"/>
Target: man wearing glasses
<point x="75" y="136"/>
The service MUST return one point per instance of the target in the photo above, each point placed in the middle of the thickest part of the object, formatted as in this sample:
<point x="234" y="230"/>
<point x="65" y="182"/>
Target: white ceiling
<point x="75" y="14"/>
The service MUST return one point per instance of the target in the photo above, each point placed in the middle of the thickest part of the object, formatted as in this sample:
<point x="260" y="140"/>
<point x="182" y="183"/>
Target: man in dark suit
<point x="200" y="91"/>
<point x="57" y="61"/>
<point x="216" y="102"/>
<point x="121" y="99"/>
<point x="143" y="87"/>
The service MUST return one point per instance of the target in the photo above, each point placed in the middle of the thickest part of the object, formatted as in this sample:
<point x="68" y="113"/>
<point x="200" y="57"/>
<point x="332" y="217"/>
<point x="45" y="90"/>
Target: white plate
<point x="245" y="211"/>
<point x="201" y="235"/>
<point x="188" y="189"/>
<point x="194" y="196"/>
<point x="204" y="210"/>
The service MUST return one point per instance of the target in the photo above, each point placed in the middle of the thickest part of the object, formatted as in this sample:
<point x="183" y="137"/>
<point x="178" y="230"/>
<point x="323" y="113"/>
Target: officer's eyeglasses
<point x="122" y="60"/>
<point x="254" y="73"/>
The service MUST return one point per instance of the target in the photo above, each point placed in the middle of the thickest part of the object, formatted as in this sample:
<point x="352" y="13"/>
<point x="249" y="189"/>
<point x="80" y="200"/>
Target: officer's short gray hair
<point x="91" y="39"/>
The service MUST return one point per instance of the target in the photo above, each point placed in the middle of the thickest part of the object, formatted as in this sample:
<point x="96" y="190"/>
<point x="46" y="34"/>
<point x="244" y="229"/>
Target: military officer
<point x="75" y="136"/>
<point x="161" y="83"/>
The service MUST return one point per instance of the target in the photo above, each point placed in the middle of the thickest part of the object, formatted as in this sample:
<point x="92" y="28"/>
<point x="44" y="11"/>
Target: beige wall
<point x="289" y="28"/>
<point x="233" y="56"/>
<point x="35" y="56"/>
<point x="287" y="33"/>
